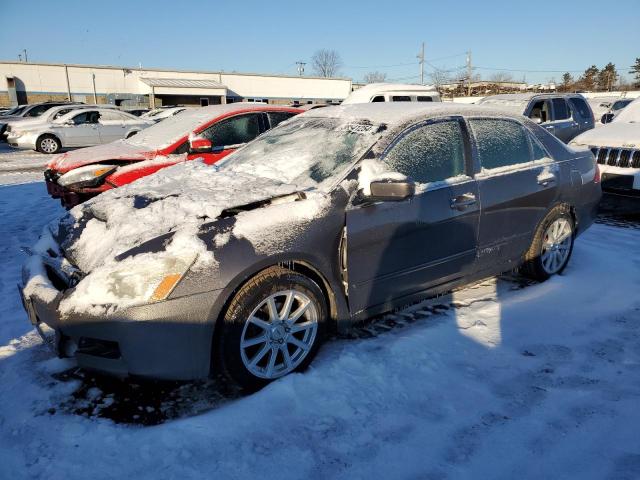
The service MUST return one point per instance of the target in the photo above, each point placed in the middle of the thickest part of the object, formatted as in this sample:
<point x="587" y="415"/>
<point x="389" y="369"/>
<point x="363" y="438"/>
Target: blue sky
<point x="261" y="36"/>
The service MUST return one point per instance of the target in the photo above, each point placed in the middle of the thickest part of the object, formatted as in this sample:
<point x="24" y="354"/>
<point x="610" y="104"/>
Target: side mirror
<point x="606" y="118"/>
<point x="388" y="190"/>
<point x="200" y="145"/>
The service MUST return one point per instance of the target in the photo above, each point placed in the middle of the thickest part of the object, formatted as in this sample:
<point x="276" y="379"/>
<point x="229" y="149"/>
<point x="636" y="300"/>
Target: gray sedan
<point x="333" y="216"/>
<point x="78" y="128"/>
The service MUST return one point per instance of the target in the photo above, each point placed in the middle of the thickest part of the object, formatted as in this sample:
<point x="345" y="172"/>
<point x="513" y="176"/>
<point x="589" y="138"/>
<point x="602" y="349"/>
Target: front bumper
<point x="68" y="198"/>
<point x="168" y="340"/>
<point x="26" y="142"/>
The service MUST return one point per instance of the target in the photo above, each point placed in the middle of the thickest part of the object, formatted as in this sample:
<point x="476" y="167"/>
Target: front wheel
<point x="273" y="326"/>
<point x="48" y="144"/>
<point x="552" y="245"/>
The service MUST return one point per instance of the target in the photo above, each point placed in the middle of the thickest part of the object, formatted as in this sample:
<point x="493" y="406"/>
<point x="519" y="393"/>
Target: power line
<point x="528" y="71"/>
<point x="382" y="66"/>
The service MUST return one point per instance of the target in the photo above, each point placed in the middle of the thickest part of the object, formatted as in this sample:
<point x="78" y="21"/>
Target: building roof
<point x="181" y="83"/>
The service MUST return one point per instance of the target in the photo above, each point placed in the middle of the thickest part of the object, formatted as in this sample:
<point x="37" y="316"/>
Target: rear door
<point x="581" y="113"/>
<point x="113" y="126"/>
<point x="229" y="134"/>
<point x="518" y="183"/>
<point x="400" y="248"/>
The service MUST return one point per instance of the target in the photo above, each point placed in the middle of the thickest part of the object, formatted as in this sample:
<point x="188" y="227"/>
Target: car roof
<point x="364" y="94"/>
<point x="527" y="96"/>
<point x="400" y="113"/>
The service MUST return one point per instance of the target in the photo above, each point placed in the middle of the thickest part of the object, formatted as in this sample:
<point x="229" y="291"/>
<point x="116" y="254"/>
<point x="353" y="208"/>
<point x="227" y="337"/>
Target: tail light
<point x="596" y="176"/>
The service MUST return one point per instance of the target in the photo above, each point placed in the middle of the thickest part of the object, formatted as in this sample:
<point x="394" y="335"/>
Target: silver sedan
<point x="78" y="128"/>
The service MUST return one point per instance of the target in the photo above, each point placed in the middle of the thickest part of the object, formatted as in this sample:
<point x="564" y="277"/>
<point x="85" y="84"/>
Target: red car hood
<point x="119" y="150"/>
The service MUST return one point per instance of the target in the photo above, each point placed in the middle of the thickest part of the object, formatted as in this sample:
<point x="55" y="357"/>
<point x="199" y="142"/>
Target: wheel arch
<point x="48" y="133"/>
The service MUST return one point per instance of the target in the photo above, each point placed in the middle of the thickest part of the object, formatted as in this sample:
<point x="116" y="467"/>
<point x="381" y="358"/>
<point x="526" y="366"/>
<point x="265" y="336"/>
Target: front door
<point x="517" y="185"/>
<point x="396" y="249"/>
<point x="229" y="134"/>
<point x="84" y="132"/>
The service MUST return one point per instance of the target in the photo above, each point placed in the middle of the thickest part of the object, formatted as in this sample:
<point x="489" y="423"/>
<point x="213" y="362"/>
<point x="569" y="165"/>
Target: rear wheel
<point x="273" y="326"/>
<point x="552" y="245"/>
<point x="48" y="144"/>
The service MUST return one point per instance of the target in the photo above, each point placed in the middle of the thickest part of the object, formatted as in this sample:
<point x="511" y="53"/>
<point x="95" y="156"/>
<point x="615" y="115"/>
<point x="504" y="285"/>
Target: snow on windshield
<point x="305" y="151"/>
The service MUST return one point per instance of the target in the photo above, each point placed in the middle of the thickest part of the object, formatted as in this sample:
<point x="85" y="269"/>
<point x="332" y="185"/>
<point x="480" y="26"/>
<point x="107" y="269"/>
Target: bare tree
<point x="326" y="63"/>
<point x="500" y="77"/>
<point x="439" y="78"/>
<point x="375" y="77"/>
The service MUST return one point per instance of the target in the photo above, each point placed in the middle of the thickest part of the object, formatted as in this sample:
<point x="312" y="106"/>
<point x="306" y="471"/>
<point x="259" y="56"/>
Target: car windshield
<point x="169" y="131"/>
<point x="305" y="151"/>
<point x="15" y="111"/>
<point x="511" y="104"/>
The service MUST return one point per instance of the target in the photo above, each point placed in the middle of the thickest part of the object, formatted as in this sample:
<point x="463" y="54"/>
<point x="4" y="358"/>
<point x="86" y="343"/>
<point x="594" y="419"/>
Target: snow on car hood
<point x="611" y="135"/>
<point x="177" y="199"/>
<point x="118" y="150"/>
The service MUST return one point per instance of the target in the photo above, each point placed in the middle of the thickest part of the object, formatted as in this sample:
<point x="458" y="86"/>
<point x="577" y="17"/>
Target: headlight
<point x="136" y="281"/>
<point x="89" y="176"/>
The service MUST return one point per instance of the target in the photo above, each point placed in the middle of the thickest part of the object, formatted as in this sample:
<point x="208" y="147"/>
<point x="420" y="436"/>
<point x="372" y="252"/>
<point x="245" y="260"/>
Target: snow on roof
<point x="364" y="94"/>
<point x="173" y="128"/>
<point x="399" y="113"/>
<point x="181" y="83"/>
<point x="612" y="135"/>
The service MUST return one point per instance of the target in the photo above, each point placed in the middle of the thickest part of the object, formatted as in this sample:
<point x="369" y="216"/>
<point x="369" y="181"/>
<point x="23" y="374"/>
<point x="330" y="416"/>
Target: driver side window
<point x="233" y="131"/>
<point x="86" y="118"/>
<point x="429" y="153"/>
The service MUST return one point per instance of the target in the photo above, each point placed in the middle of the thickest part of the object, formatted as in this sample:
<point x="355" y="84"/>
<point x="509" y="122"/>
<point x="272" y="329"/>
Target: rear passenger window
<point x="401" y="98"/>
<point x="560" y="109"/>
<point x="500" y="143"/>
<point x="422" y="98"/>
<point x="429" y="153"/>
<point x="277" y="117"/>
<point x="580" y="106"/>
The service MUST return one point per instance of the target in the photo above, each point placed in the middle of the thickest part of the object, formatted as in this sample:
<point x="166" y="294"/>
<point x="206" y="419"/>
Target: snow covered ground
<point x="508" y="382"/>
<point x="20" y="166"/>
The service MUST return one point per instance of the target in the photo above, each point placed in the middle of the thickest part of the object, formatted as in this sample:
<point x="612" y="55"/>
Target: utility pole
<point x="300" y="65"/>
<point x="420" y="56"/>
<point x="26" y="59"/>
<point x="469" y="70"/>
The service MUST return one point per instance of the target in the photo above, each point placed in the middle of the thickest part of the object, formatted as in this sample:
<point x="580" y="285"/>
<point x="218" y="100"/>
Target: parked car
<point x="24" y="123"/>
<point x="333" y="216"/>
<point x="208" y="132"/>
<point x="615" y="108"/>
<point x="393" y="92"/>
<point x="565" y="115"/>
<point x="158" y="114"/>
<point x="77" y="128"/>
<point x="616" y="147"/>
<point x="28" y="111"/>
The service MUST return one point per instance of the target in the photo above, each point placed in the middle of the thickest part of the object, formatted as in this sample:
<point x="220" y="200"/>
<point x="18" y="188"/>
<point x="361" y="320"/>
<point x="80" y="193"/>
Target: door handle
<point x="463" y="201"/>
<point x="546" y="180"/>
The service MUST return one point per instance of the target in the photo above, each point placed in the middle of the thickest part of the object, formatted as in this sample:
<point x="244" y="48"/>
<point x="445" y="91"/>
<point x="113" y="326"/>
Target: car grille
<point x="617" y="157"/>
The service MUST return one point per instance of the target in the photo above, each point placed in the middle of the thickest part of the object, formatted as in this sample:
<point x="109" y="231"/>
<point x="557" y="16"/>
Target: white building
<point x="22" y="82"/>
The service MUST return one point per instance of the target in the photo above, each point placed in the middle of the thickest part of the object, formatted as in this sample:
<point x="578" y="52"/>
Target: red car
<point x="210" y="133"/>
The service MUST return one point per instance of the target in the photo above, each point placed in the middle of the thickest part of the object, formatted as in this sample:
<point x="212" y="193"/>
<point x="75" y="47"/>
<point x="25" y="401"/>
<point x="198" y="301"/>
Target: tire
<point x="552" y="245"/>
<point x="253" y="365"/>
<point x="48" y="144"/>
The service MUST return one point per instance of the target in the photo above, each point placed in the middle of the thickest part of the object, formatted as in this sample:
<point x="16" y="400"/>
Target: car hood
<point x="615" y="135"/>
<point x="119" y="150"/>
<point x="176" y="200"/>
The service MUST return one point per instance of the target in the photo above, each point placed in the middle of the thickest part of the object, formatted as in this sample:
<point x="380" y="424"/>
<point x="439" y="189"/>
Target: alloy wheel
<point x="556" y="245"/>
<point x="48" y="145"/>
<point x="279" y="334"/>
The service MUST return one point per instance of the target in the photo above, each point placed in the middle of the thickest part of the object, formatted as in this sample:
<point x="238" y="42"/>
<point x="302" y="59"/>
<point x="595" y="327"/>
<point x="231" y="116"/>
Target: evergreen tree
<point x="635" y="70"/>
<point x="589" y="77"/>
<point x="607" y="77"/>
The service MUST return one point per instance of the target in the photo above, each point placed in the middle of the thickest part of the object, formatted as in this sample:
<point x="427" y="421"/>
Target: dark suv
<point x="335" y="215"/>
<point x="566" y="115"/>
